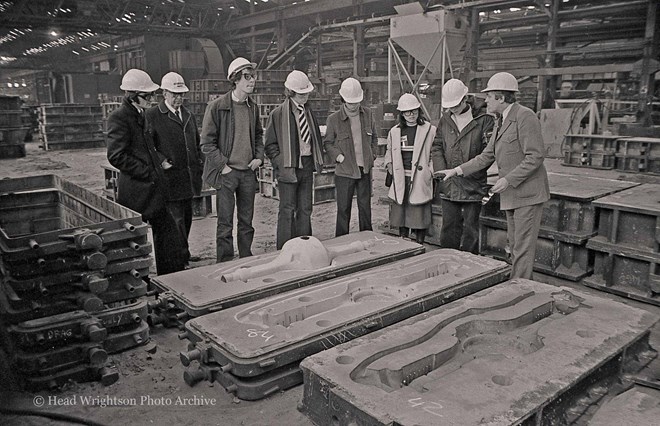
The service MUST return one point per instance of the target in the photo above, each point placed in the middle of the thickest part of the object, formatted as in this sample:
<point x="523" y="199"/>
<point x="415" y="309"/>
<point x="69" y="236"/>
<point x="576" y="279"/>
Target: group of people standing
<point x="163" y="160"/>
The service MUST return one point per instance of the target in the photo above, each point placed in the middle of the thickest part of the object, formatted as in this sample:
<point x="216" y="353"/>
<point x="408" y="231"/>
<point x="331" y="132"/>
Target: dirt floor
<point x="151" y="390"/>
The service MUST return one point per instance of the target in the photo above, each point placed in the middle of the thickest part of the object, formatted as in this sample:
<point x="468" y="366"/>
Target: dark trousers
<point x="170" y="227"/>
<point x="460" y="225"/>
<point x="294" y="218"/>
<point x="523" y="225"/>
<point x="345" y="189"/>
<point x="237" y="191"/>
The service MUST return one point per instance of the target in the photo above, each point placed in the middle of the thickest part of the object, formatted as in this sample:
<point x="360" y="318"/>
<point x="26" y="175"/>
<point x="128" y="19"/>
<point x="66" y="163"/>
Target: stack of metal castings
<point x="255" y="349"/>
<point x="72" y="286"/>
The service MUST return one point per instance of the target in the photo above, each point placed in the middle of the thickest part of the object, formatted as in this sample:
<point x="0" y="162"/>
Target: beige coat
<point x="421" y="190"/>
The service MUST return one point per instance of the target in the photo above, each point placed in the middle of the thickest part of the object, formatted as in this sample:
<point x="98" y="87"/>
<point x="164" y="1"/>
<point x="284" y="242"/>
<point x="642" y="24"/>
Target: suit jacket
<point x="133" y="154"/>
<point x="518" y="149"/>
<point x="177" y="142"/>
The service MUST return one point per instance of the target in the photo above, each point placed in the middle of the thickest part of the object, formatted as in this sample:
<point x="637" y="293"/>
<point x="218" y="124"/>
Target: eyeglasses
<point x="145" y="96"/>
<point x="411" y="112"/>
<point x="249" y="76"/>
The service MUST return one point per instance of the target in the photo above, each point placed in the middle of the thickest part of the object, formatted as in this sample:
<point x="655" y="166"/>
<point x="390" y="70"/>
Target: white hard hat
<point x="351" y="91"/>
<point x="136" y="80"/>
<point x="174" y="83"/>
<point x="408" y="102"/>
<point x="297" y="81"/>
<point x="502" y="81"/>
<point x="237" y="65"/>
<point x="453" y="93"/>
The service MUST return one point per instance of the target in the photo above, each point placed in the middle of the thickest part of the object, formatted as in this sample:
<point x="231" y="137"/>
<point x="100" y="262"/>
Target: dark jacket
<point x="179" y="144"/>
<point x="273" y="141"/>
<point x="217" y="139"/>
<point x="339" y="140"/>
<point x="135" y="157"/>
<point x="519" y="152"/>
<point x="452" y="148"/>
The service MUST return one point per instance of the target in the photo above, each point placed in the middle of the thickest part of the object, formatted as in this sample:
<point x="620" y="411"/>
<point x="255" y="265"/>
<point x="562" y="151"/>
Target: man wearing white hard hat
<point x="293" y="144"/>
<point x="233" y="148"/>
<point x="140" y="185"/>
<point x="352" y="142"/>
<point x="517" y="146"/>
<point x="461" y="136"/>
<point x="408" y="160"/>
<point x="173" y="130"/>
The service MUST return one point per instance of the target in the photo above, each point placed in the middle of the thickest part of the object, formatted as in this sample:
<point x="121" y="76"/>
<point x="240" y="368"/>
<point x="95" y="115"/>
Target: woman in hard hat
<point x="408" y="159"/>
<point x="293" y="144"/>
<point x="462" y="135"/>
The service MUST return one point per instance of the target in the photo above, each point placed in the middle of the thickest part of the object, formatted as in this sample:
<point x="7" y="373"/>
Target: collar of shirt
<point x="463" y="116"/>
<point x="235" y="98"/>
<point x="170" y="107"/>
<point x="506" y="111"/>
<point x="296" y="104"/>
<point x="139" y="110"/>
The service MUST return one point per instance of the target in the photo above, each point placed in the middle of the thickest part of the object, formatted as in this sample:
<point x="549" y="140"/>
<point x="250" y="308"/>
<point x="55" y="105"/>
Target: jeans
<point x="238" y="190"/>
<point x="345" y="188"/>
<point x="294" y="218"/>
<point x="460" y="225"/>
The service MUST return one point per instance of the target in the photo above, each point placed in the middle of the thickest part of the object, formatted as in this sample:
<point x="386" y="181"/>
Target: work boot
<point x="420" y="235"/>
<point x="404" y="232"/>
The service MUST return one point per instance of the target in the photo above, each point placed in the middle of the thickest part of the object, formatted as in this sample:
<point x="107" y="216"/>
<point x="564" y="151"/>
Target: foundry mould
<point x="52" y="380"/>
<point x="51" y="214"/>
<point x="554" y="255"/>
<point x="638" y="405"/>
<point x="570" y="214"/>
<point x="625" y="272"/>
<point x="93" y="281"/>
<point x="247" y="388"/>
<point x="80" y="260"/>
<point x="253" y="339"/>
<point x="638" y="155"/>
<point x="518" y="353"/>
<point x="111" y="262"/>
<point x="81" y="241"/>
<point x="629" y="218"/>
<point x="202" y="290"/>
<point x="15" y="309"/>
<point x="77" y="326"/>
<point x="626" y="254"/>
<point x="65" y="357"/>
<point x="593" y="151"/>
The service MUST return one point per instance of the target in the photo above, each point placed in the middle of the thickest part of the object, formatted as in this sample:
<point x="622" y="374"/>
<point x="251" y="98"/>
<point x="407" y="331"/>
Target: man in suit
<point x="140" y="185"/>
<point x="173" y="131"/>
<point x="517" y="146"/>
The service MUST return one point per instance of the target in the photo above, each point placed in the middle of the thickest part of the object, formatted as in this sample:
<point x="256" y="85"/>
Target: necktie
<point x="304" y="127"/>
<point x="498" y="125"/>
<point x="178" y="114"/>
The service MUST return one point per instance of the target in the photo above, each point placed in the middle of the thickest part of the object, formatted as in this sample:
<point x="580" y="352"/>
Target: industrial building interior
<point x="589" y="69"/>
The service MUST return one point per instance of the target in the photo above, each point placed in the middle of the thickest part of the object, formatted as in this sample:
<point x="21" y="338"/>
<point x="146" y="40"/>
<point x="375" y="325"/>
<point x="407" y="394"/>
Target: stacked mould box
<point x="71" y="280"/>
<point x="106" y="109"/>
<point x="593" y="151"/>
<point x="71" y="126"/>
<point x="201" y="93"/>
<point x="569" y="220"/>
<point x="626" y="248"/>
<point x="638" y="155"/>
<point x="254" y="350"/>
<point x="12" y="128"/>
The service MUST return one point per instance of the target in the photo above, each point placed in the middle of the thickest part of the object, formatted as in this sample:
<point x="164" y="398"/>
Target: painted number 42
<point x="260" y="333"/>
<point x="428" y="406"/>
